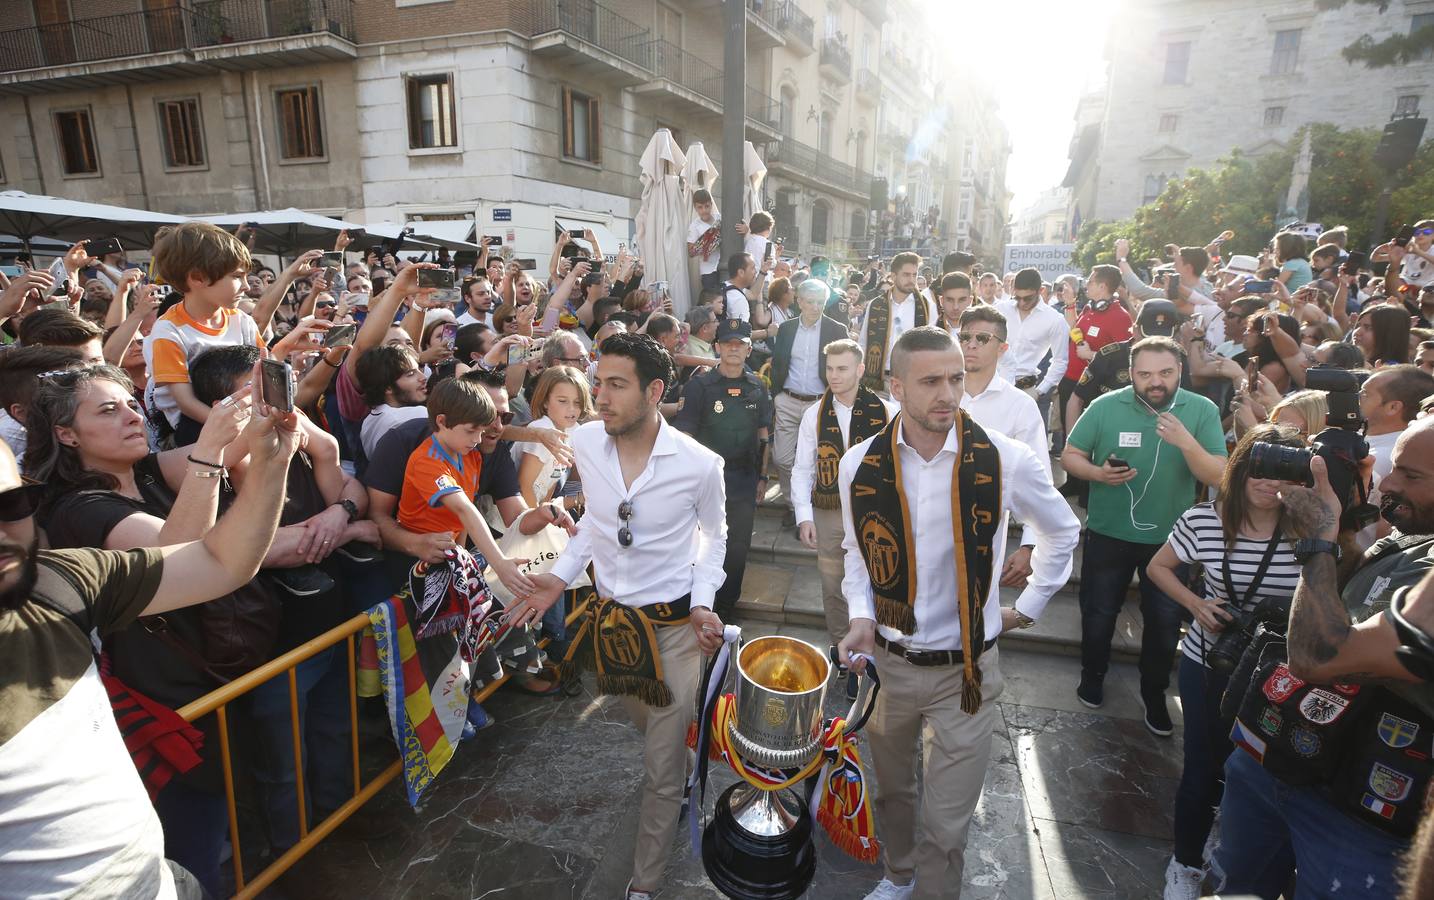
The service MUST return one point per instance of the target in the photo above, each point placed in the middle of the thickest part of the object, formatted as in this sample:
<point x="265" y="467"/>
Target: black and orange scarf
<point x="620" y="643"/>
<point x="868" y="416"/>
<point x="883" y="527"/>
<point x="878" y="327"/>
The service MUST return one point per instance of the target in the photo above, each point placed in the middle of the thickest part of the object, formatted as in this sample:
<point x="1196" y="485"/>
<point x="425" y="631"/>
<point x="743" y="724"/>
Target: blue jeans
<point x="322" y="683"/>
<point x="1105" y="573"/>
<point x="195" y="823"/>
<point x="1270" y="830"/>
<point x="1202" y="775"/>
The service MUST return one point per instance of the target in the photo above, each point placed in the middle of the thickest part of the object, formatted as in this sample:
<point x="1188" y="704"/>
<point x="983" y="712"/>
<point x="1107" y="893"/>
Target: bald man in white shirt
<point x="939" y="683"/>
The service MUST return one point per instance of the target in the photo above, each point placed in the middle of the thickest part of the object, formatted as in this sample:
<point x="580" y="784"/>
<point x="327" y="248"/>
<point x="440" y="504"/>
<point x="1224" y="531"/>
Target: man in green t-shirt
<point x="1145" y="449"/>
<point x="74" y="816"/>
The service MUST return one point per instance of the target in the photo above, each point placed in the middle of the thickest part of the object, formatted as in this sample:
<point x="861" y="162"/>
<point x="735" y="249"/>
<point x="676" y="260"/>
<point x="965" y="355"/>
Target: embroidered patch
<point x="445" y="482"/>
<point x="717" y="407"/>
<point x="1396" y="732"/>
<point x="1376" y="590"/>
<point x="1271" y="721"/>
<point x="1304" y="742"/>
<point x="1391" y="784"/>
<point x="1281" y="684"/>
<point x="1323" y="707"/>
<point x="1253" y="744"/>
<point x="1378" y="807"/>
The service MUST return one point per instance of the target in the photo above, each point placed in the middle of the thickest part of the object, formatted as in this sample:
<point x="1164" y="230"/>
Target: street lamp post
<point x="734" y="122"/>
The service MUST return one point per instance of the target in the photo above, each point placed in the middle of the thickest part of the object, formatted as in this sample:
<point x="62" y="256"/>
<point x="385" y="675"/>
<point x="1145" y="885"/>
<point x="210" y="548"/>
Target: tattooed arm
<point x="1324" y="643"/>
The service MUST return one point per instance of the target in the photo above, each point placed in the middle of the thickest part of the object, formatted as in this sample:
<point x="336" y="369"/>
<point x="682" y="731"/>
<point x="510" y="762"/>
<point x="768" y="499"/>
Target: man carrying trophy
<point x="926" y="501"/>
<point x="655" y="532"/>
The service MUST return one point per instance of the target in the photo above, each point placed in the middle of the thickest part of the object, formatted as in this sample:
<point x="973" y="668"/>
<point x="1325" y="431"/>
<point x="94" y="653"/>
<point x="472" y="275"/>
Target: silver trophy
<point x="758" y="845"/>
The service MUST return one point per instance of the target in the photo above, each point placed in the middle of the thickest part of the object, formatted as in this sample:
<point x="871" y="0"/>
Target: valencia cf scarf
<point x="621" y="642"/>
<point x="883" y="526"/>
<point x="878" y="327"/>
<point x="868" y="416"/>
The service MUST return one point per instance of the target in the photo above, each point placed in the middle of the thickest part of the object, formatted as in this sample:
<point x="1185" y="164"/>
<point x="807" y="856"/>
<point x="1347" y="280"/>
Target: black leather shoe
<point x="1091" y="691"/>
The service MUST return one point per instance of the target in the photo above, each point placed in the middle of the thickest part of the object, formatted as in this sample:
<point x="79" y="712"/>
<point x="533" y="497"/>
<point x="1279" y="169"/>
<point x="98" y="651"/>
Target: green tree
<point x="1395" y="50"/>
<point x="1246" y="195"/>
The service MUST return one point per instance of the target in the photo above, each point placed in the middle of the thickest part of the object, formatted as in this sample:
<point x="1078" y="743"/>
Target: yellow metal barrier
<point x="218" y="701"/>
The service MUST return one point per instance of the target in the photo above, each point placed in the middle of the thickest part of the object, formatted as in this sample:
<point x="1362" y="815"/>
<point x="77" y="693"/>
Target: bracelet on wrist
<point x="200" y="462"/>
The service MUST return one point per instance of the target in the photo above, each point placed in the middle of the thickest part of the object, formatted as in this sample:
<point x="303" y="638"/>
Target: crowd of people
<point x="211" y="461"/>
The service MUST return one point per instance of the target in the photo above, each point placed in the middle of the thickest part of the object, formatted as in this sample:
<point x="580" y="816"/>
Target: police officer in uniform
<point x="727" y="409"/>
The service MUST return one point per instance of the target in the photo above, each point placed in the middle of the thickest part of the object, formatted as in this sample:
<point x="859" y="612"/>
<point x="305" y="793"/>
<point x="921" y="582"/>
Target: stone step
<point x="791" y="594"/>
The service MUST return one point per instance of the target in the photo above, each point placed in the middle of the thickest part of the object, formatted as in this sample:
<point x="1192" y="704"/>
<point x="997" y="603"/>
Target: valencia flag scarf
<point x="878" y="327"/>
<point x="868" y="416"/>
<point x="883" y="528"/>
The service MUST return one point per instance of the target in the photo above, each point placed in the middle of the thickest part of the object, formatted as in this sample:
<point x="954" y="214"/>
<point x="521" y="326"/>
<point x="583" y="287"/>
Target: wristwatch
<point x="351" y="508"/>
<point x="1306" y="548"/>
<point x="1023" y="620"/>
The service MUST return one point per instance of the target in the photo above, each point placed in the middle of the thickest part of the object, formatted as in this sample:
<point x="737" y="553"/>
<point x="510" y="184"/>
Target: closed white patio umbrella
<point x="662" y="219"/>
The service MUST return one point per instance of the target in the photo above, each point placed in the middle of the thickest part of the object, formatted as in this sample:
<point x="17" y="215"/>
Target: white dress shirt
<point x="804" y="470"/>
<point x="804" y="374"/>
<point x="902" y="319"/>
<point x="1042" y="331"/>
<point x="1026" y="490"/>
<point x="467" y="318"/>
<point x="678" y="522"/>
<point x="735" y="304"/>
<point x="1006" y="408"/>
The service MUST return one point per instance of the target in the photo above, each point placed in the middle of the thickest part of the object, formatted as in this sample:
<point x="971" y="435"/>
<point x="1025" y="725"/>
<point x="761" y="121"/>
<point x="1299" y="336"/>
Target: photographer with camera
<point x="1250" y="576"/>
<point x="1335" y="773"/>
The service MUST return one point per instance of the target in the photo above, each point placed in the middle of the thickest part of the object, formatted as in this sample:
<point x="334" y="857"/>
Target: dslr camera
<point x="1271" y="613"/>
<point x="1341" y="444"/>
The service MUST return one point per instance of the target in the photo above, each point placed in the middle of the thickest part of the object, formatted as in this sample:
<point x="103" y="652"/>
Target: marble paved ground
<point x="543" y="806"/>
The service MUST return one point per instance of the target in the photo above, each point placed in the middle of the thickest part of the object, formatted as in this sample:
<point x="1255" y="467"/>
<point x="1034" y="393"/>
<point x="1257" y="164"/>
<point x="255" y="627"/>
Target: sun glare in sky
<point x="1040" y="56"/>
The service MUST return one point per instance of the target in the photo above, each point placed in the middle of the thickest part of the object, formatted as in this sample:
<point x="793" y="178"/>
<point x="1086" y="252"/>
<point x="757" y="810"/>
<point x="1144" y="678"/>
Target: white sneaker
<point x="1182" y="882"/>
<point x="885" y="890"/>
<point x="637" y="895"/>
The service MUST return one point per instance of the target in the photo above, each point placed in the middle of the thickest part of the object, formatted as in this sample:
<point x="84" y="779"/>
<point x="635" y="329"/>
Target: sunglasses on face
<point x="980" y="338"/>
<point x="19" y="502"/>
<point x="1424" y="231"/>
<point x="624" y="534"/>
<point x="505" y="418"/>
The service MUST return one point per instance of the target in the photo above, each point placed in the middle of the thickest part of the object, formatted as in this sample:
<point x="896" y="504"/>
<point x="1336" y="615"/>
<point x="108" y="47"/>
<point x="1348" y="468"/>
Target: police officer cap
<point x="1158" y="317"/>
<point x="734" y="330"/>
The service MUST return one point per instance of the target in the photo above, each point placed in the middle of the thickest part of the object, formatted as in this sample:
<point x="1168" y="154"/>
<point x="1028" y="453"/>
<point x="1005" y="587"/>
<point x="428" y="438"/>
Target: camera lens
<point x="1280" y="463"/>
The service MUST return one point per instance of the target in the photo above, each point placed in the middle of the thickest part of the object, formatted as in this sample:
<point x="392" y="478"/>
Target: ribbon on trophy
<point x="840" y="804"/>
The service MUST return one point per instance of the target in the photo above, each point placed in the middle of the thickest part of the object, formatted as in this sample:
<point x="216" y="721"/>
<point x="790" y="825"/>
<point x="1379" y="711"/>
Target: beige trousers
<point x="927" y="841"/>
<point x="787" y="414"/>
<point x="828" y="523"/>
<point x="664" y="752"/>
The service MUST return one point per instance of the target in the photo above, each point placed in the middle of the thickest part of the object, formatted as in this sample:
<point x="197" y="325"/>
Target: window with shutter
<point x="301" y="132"/>
<point x="432" y="112"/>
<point x="76" y="137"/>
<point x="582" y="126"/>
<point x="182" y="134"/>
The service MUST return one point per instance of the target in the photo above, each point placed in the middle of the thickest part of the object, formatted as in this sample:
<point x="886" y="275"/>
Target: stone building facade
<point x="511" y="116"/>
<point x="1191" y="80"/>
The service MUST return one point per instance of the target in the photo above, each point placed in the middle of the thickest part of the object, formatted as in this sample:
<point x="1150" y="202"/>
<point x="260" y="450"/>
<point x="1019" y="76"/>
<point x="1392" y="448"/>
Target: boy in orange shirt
<point x="441" y="478"/>
<point x="439" y="484"/>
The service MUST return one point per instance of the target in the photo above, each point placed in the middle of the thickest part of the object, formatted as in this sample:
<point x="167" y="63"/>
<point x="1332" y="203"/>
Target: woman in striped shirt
<point x="1239" y="541"/>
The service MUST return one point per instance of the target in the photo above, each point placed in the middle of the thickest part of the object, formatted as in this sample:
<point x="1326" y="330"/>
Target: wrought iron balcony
<point x="174" y="41"/>
<point x="593" y="39"/>
<point x="799" y="161"/>
<point x="763" y="29"/>
<point x="797" y="27"/>
<point x="836" y="60"/>
<point x="868" y="86"/>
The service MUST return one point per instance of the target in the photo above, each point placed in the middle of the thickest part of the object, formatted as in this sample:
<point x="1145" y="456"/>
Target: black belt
<point x="805" y="398"/>
<point x="928" y="657"/>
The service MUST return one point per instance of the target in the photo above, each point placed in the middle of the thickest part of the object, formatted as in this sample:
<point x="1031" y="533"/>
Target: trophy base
<point x="758" y="845"/>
